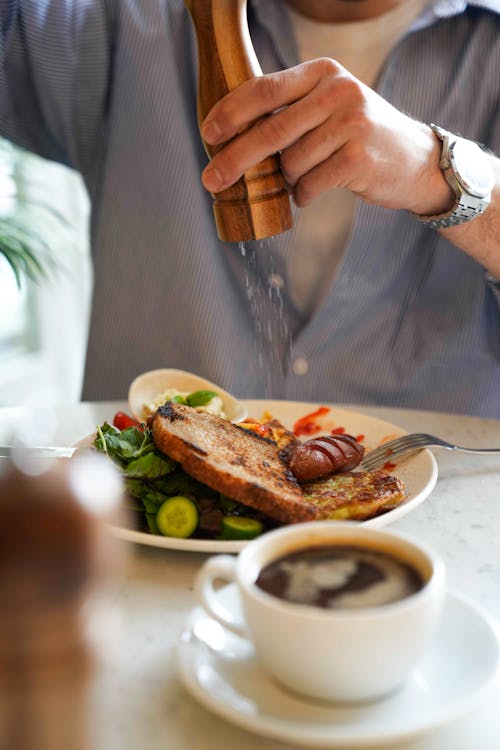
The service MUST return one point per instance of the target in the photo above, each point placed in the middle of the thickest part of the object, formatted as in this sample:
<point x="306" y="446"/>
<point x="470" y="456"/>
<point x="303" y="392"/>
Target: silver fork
<point x="414" y="442"/>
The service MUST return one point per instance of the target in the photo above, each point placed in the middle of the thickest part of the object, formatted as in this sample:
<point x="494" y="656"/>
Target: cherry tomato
<point x="121" y="421"/>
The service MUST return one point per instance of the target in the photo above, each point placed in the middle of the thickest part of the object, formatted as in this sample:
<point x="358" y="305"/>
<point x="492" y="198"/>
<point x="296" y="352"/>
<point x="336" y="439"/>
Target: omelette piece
<point x="354" y="496"/>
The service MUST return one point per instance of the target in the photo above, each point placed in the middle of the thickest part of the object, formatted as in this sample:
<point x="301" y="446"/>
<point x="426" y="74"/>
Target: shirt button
<point x="276" y="281"/>
<point x="300" y="366"/>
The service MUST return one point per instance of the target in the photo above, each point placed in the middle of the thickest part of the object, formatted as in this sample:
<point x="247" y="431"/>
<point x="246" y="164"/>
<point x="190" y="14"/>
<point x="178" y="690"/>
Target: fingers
<point x="332" y="89"/>
<point x="346" y="168"/>
<point x="260" y="96"/>
<point x="268" y="136"/>
<point x="313" y="148"/>
<point x="331" y="131"/>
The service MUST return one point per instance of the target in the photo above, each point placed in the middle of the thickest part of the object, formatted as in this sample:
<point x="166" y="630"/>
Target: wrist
<point x="434" y="195"/>
<point x="469" y="172"/>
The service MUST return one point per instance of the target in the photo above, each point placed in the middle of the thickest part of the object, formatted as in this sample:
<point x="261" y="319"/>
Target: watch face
<point x="472" y="168"/>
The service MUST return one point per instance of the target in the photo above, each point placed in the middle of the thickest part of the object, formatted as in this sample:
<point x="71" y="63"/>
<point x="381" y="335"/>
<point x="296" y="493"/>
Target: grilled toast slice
<point x="234" y="461"/>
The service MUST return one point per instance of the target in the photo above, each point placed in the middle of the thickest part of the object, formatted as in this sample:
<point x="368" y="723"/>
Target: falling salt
<point x="266" y="302"/>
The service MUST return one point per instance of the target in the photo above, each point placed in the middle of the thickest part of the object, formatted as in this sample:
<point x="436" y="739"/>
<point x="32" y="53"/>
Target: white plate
<point x="219" y="669"/>
<point x="418" y="472"/>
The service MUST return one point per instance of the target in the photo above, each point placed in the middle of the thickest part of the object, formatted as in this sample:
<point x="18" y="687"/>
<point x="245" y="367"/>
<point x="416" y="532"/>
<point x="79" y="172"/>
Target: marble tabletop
<point x="140" y="703"/>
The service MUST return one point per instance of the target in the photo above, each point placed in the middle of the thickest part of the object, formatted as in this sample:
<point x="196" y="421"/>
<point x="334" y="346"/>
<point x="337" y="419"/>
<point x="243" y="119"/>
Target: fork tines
<point x="394" y="448"/>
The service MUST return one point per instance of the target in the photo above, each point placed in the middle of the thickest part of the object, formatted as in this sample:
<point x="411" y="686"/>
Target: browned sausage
<point x="322" y="456"/>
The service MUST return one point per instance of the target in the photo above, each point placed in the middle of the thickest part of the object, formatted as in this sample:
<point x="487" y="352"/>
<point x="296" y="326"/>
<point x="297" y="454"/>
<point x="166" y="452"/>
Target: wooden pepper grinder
<point x="54" y="555"/>
<point x="258" y="205"/>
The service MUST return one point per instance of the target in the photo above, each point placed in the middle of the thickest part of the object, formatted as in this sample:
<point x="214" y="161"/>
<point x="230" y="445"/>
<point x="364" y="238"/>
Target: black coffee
<point x="339" y="577"/>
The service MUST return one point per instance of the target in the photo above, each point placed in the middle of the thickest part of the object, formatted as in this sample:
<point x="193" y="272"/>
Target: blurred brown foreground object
<point x="55" y="559"/>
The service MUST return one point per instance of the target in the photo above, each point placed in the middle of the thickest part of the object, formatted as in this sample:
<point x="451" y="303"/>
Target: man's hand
<point x="332" y="131"/>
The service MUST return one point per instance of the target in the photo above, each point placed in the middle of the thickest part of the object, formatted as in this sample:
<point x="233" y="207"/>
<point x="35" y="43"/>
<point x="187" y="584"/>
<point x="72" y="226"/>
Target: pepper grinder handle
<point x="258" y="205"/>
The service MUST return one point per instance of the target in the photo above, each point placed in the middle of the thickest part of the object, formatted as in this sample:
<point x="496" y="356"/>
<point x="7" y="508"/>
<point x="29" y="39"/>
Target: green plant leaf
<point x="18" y="247"/>
<point x="7" y="253"/>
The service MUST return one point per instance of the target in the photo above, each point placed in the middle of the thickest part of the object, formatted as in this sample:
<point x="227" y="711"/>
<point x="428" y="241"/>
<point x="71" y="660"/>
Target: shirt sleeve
<point x="55" y="60"/>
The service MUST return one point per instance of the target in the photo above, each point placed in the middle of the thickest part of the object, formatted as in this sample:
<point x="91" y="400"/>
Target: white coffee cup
<point x="343" y="655"/>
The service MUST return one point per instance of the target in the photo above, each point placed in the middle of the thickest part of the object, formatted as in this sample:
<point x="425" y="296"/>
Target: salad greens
<point x="195" y="399"/>
<point x="151" y="478"/>
<point x="200" y="398"/>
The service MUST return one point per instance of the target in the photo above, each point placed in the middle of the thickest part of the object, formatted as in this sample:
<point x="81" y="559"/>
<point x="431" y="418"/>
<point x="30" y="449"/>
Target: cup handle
<point x="218" y="568"/>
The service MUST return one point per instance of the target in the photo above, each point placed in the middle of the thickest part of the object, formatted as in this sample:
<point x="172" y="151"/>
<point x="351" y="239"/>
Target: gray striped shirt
<point x="109" y="87"/>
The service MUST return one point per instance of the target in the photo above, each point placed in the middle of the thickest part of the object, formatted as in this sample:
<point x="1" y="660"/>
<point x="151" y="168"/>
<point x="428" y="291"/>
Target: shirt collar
<point x="269" y="14"/>
<point x="444" y="8"/>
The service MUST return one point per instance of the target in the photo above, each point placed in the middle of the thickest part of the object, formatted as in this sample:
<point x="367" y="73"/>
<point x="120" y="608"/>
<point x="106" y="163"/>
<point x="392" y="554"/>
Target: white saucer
<point x="220" y="670"/>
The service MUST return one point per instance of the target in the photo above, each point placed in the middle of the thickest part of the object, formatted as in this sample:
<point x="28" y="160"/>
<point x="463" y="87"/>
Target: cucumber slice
<point x="177" y="516"/>
<point x="240" y="527"/>
<point x="200" y="398"/>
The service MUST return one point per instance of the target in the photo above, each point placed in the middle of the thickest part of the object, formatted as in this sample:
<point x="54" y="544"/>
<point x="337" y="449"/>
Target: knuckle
<point x="325" y="96"/>
<point x="355" y="156"/>
<point x="303" y="192"/>
<point x="327" y="66"/>
<point x="287" y="163"/>
<point x="226" y="115"/>
<point x="274" y="131"/>
<point x="337" y="85"/>
<point x="271" y="86"/>
<point x="227" y="165"/>
<point x="230" y="168"/>
<point x="353" y="90"/>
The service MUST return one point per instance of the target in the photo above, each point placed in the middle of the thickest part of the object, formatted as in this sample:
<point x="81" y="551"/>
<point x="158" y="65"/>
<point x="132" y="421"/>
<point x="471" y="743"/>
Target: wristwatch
<point x="470" y="175"/>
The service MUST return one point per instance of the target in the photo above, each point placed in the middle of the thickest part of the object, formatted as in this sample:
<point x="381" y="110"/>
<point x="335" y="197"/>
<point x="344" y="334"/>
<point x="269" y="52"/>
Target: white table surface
<point x="142" y="705"/>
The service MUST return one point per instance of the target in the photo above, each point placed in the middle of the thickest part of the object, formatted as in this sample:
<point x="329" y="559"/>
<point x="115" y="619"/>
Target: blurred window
<point x="43" y="323"/>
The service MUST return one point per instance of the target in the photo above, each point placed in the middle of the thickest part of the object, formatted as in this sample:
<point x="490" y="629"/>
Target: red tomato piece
<point x="121" y="421"/>
<point x="264" y="430"/>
